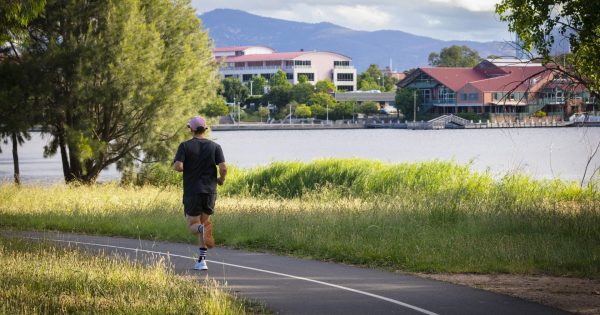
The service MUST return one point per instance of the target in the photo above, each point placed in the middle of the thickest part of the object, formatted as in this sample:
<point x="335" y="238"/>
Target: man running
<point x="197" y="158"/>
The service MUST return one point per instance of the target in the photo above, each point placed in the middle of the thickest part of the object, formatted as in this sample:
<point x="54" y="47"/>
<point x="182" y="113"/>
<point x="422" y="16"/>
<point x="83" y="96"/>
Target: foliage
<point x="318" y="111"/>
<point x="258" y="85"/>
<point x="323" y="99"/>
<point x="369" y="108"/>
<point x="302" y="92"/>
<point x="325" y="86"/>
<point x="263" y="111"/>
<point x="455" y="56"/>
<point x="119" y="78"/>
<point x="234" y="91"/>
<point x="536" y="21"/>
<point x="14" y="18"/>
<point x="405" y="102"/>
<point x="216" y="108"/>
<point x="303" y="111"/>
<point x="374" y="79"/>
<point x="279" y="79"/>
<point x="342" y="110"/>
<point x="540" y="114"/>
<point x="279" y="95"/>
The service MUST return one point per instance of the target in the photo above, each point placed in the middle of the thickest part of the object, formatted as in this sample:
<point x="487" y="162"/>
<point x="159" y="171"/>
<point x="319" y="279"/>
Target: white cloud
<point x="442" y="19"/>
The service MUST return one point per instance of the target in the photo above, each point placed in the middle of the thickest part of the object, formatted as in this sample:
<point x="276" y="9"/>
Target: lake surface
<point x="540" y="152"/>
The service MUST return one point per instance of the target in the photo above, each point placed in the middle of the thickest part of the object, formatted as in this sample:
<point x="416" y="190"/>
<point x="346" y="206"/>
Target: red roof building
<point x="517" y="89"/>
<point x="246" y="62"/>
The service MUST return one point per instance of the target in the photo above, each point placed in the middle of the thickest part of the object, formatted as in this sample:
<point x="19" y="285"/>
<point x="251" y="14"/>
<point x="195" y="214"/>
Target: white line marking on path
<point x="418" y="309"/>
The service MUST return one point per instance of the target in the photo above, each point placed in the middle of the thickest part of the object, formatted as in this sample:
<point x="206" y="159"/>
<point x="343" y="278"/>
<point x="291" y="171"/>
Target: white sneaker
<point x="201" y="265"/>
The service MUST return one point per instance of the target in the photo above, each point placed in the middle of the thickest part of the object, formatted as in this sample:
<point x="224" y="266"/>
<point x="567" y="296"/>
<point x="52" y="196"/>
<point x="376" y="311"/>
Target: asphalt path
<point x="298" y="286"/>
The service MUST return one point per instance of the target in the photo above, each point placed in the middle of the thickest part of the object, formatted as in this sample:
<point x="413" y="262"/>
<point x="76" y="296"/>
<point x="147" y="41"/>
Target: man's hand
<point x="178" y="166"/>
<point x="220" y="181"/>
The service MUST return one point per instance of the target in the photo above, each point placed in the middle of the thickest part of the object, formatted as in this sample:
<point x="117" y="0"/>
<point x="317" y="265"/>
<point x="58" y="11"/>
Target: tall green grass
<point x="38" y="278"/>
<point x="431" y="217"/>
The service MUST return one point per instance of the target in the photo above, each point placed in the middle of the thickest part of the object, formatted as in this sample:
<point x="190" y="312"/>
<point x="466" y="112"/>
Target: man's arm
<point x="178" y="166"/>
<point x="222" y="173"/>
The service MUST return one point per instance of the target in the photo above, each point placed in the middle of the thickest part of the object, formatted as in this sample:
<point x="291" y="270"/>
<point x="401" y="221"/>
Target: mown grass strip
<point x="39" y="278"/>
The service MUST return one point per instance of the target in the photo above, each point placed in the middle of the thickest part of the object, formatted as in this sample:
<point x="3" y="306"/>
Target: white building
<point x="246" y="62"/>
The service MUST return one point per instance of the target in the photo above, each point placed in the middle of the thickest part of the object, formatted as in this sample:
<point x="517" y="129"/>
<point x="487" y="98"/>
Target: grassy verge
<point x="426" y="217"/>
<point x="38" y="278"/>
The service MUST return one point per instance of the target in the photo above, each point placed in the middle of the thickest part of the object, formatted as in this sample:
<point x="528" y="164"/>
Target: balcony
<point x="442" y="102"/>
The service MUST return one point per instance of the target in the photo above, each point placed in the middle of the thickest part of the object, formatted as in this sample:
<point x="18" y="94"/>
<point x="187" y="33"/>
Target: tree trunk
<point x="64" y="157"/>
<point x="15" y="154"/>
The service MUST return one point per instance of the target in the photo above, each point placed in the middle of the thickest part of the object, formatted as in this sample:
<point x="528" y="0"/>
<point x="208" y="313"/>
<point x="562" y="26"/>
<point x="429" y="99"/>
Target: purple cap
<point x="197" y="121"/>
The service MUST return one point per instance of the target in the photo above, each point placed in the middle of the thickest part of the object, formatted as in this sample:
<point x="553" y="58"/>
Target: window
<point x="255" y="63"/>
<point x="341" y="63"/>
<point x="473" y="96"/>
<point x="240" y="64"/>
<point x="310" y="76"/>
<point x="425" y="95"/>
<point x="346" y="88"/>
<point x="247" y="77"/>
<point x="464" y="96"/>
<point x="289" y="63"/>
<point x="273" y="63"/>
<point x="345" y="76"/>
<point x="290" y="76"/>
<point x="301" y="62"/>
<point x="266" y="75"/>
<point x="446" y="94"/>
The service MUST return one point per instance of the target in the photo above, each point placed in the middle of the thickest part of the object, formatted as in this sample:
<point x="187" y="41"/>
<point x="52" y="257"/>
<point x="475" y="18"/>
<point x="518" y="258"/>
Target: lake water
<point x="540" y="152"/>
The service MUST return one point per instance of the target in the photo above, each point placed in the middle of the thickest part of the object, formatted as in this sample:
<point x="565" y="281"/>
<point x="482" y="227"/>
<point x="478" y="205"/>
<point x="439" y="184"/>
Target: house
<point x="246" y="62"/>
<point x="507" y="88"/>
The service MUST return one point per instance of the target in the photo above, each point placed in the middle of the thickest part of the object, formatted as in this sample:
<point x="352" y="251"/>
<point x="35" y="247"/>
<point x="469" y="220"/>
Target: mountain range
<point x="404" y="50"/>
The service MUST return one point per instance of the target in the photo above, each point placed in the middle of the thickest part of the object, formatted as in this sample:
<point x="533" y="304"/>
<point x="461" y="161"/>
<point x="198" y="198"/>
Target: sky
<point x="441" y="19"/>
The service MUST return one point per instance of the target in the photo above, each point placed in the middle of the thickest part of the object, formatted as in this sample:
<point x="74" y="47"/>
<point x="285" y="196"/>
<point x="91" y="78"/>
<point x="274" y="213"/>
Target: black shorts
<point x="195" y="205"/>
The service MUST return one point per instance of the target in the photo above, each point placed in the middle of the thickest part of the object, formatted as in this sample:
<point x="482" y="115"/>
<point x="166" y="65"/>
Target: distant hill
<point x="238" y="28"/>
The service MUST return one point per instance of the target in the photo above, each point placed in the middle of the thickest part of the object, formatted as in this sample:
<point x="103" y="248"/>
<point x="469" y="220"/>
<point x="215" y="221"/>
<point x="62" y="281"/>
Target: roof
<point x="262" y="57"/>
<point x="511" y="81"/>
<point x="361" y="96"/>
<point x="237" y="48"/>
<point x="454" y="78"/>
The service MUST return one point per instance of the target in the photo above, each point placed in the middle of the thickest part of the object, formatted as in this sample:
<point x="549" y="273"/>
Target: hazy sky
<point x="442" y="19"/>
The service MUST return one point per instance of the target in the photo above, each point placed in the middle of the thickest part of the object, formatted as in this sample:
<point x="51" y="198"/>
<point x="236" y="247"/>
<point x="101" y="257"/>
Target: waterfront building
<point x="246" y="62"/>
<point x="496" y="88"/>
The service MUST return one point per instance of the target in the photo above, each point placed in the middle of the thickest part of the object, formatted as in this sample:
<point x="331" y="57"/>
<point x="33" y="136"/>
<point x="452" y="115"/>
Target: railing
<point x="445" y="119"/>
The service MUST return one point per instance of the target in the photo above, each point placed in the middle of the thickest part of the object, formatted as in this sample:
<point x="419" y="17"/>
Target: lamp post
<point x="327" y="106"/>
<point x="414" y="106"/>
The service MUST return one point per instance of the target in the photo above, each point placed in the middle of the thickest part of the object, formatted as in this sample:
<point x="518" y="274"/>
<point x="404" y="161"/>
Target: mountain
<point x="238" y="28"/>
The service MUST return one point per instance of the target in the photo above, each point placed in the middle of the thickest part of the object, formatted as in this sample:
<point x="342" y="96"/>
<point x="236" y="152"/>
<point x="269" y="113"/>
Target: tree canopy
<point x="118" y="79"/>
<point x="536" y="22"/>
<point x="234" y="90"/>
<point x="455" y="56"/>
<point x="374" y="79"/>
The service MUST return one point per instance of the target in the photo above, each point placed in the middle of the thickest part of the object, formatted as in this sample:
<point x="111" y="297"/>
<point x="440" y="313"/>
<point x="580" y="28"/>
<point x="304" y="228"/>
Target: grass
<point x="424" y="217"/>
<point x="38" y="278"/>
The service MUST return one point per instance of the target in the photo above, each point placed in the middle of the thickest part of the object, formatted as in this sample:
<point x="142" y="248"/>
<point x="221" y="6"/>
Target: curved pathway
<point x="297" y="286"/>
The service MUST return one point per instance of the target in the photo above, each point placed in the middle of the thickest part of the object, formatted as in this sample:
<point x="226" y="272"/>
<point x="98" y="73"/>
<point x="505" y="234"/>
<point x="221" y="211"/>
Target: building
<point x="245" y="62"/>
<point x="508" y="88"/>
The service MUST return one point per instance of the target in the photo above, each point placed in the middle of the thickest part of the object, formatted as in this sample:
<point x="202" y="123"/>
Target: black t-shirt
<point x="199" y="157"/>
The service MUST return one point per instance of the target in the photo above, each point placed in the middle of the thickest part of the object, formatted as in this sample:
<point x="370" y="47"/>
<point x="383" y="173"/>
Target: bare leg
<point x="193" y="222"/>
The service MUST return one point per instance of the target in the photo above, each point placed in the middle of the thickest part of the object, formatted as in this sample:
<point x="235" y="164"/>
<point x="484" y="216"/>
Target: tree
<point x="216" y="108"/>
<point x="455" y="56"/>
<point x="279" y="79"/>
<point x="16" y="110"/>
<point x="318" y="111"/>
<point x="120" y="79"/>
<point x="258" y="85"/>
<point x="325" y="86"/>
<point x="343" y="110"/>
<point x="234" y="91"/>
<point x="536" y="23"/>
<point x="15" y="117"/>
<point x="263" y="111"/>
<point x="279" y="95"/>
<point x="405" y="102"/>
<point x="369" y="108"/>
<point x="302" y="91"/>
<point x="371" y="79"/>
<point x="303" y="111"/>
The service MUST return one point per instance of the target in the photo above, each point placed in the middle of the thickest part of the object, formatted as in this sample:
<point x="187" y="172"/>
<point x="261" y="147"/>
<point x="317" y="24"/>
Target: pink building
<point x="245" y="62"/>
